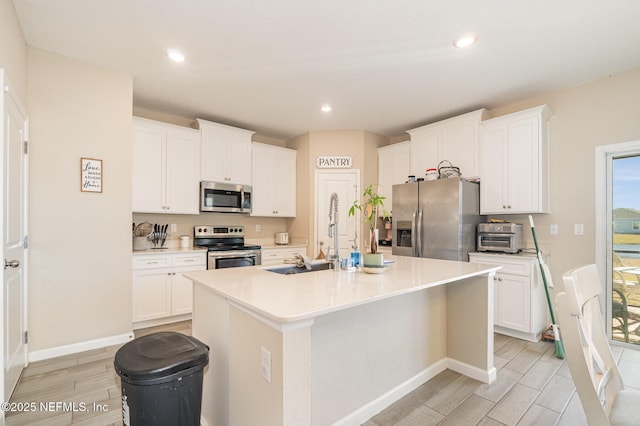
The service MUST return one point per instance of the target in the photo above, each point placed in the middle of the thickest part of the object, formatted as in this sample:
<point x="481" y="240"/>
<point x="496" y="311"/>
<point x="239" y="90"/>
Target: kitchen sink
<point x="293" y="269"/>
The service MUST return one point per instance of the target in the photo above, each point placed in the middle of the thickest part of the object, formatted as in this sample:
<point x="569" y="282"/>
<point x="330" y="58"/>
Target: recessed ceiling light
<point x="464" y="40"/>
<point x="325" y="108"/>
<point x="175" y="55"/>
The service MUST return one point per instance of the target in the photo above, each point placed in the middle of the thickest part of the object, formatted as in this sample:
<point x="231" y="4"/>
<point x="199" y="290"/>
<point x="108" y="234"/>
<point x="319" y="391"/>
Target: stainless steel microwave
<point x="225" y="197"/>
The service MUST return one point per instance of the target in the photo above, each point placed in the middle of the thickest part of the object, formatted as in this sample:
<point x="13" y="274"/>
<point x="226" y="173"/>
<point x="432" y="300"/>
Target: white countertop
<point x="288" y="298"/>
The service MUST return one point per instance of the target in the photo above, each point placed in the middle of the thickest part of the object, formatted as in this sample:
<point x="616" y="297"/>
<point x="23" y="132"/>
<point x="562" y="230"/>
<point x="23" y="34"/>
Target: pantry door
<point x="346" y="184"/>
<point x="14" y="204"/>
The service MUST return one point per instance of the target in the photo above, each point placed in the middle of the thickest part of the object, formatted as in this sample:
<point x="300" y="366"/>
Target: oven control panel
<point x="218" y="231"/>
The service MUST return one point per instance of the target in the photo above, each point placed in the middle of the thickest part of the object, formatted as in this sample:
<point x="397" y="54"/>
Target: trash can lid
<point x="158" y="355"/>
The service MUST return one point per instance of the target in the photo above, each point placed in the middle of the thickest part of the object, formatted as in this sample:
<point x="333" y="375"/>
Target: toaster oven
<point x="500" y="237"/>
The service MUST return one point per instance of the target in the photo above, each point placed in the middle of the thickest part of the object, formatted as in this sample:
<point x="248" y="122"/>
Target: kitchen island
<point x="336" y="347"/>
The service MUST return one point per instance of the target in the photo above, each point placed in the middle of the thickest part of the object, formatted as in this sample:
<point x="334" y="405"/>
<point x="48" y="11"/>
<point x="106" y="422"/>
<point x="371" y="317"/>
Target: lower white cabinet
<point x="277" y="255"/>
<point x="520" y="306"/>
<point x="160" y="292"/>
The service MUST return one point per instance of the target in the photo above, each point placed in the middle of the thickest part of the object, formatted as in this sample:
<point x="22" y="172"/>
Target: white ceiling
<point x="384" y="65"/>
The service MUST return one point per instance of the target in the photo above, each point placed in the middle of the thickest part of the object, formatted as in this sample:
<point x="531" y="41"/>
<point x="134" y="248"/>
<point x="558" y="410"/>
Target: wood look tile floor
<point x="533" y="388"/>
<point x="86" y="378"/>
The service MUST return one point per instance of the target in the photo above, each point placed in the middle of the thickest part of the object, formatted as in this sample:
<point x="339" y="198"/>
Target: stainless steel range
<point x="226" y="246"/>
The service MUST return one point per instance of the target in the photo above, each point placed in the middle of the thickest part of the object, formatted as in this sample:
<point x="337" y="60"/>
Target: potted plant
<point x="370" y="206"/>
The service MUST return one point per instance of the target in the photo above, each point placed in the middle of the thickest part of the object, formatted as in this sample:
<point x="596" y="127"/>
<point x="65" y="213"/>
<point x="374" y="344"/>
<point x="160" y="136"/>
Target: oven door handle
<point x="234" y="254"/>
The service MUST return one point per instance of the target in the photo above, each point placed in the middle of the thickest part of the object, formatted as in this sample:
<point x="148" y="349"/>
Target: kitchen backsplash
<point x="185" y="223"/>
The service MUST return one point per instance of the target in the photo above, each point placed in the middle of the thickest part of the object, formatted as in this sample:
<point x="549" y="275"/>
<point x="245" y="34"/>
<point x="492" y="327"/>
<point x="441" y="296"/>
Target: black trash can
<point x="161" y="377"/>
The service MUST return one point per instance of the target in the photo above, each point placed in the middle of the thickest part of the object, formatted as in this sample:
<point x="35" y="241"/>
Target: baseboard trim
<point x="80" y="347"/>
<point x="161" y="321"/>
<point x="486" y="376"/>
<point x="531" y="337"/>
<point x="372" y="408"/>
<point x="364" y="413"/>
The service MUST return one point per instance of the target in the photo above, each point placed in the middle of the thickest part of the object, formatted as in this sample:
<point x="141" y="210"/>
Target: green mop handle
<point x="544" y="278"/>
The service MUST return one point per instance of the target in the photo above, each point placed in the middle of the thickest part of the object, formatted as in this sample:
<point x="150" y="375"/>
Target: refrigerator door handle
<point x="414" y="249"/>
<point x="419" y="237"/>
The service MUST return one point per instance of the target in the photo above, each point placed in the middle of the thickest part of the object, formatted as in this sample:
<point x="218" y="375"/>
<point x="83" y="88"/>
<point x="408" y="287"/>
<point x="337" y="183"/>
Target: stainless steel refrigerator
<point x="436" y="218"/>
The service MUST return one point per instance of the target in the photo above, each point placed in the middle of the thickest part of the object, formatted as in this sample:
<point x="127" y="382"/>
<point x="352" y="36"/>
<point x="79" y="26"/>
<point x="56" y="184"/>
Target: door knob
<point x="11" y="263"/>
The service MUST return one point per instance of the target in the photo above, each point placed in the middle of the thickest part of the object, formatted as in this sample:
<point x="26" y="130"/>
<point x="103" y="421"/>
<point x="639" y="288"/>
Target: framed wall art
<point x="90" y="175"/>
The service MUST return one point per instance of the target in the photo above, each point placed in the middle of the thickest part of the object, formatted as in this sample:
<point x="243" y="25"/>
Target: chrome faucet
<point x="333" y="231"/>
<point x="300" y="261"/>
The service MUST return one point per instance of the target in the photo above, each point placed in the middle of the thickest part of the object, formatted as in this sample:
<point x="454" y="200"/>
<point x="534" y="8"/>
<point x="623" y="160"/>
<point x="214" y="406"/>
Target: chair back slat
<point x="588" y="354"/>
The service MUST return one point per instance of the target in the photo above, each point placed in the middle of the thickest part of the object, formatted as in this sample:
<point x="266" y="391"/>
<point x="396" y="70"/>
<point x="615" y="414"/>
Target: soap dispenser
<point x="355" y="253"/>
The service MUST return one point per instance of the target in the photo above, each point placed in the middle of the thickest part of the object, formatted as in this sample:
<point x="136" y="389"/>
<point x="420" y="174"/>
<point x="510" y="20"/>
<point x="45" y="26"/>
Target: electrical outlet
<point x="174" y="227"/>
<point x="578" y="229"/>
<point x="553" y="229"/>
<point x="265" y="364"/>
<point x="258" y="228"/>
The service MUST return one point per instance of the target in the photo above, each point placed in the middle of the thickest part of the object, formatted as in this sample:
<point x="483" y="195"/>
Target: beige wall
<point x="302" y="225"/>
<point x="80" y="275"/>
<point x="13" y="49"/>
<point x="600" y="113"/>
<point x="359" y="144"/>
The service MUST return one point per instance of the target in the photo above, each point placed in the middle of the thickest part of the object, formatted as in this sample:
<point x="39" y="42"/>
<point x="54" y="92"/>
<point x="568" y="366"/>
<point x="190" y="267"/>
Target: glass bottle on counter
<point x="355" y="253"/>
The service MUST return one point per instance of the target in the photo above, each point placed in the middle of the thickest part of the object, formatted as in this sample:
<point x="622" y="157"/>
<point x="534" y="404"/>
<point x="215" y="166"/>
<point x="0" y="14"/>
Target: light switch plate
<point x="578" y="229"/>
<point x="553" y="229"/>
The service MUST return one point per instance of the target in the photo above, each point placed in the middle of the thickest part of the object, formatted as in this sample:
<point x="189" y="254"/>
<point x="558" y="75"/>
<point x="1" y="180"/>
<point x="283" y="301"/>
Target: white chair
<point x="592" y="366"/>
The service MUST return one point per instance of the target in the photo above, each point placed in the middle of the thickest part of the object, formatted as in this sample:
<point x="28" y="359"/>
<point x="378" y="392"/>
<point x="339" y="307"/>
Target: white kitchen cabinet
<point x="394" y="167"/>
<point x="273" y="181"/>
<point x="160" y="293"/>
<point x="520" y="307"/>
<point x="277" y="255"/>
<point x="165" y="168"/>
<point x="226" y="153"/>
<point x="455" y="139"/>
<point x="514" y="155"/>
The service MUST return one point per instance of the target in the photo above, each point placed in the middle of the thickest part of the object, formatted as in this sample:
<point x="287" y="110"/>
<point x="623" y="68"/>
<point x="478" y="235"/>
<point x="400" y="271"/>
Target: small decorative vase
<point x="373" y="259"/>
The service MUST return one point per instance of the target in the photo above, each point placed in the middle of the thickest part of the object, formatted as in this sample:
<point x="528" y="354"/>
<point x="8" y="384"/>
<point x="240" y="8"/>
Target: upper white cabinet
<point x="394" y="167"/>
<point x="166" y="168"/>
<point x="274" y="181"/>
<point x="454" y="139"/>
<point x="226" y="153"/>
<point x="514" y="163"/>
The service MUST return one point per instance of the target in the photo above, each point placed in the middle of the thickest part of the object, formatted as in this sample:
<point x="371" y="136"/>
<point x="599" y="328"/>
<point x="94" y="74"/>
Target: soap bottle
<point x="355" y="254"/>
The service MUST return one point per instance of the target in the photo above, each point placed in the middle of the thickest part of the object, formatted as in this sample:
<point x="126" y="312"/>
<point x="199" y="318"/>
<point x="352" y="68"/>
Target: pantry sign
<point x="334" y="162"/>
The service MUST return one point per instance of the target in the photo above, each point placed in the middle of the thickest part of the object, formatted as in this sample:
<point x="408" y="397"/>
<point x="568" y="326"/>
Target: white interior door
<point x="14" y="190"/>
<point x="346" y="184"/>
